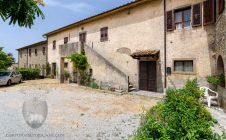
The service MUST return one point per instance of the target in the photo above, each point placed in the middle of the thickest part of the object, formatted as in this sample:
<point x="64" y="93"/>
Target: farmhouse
<point x="33" y="56"/>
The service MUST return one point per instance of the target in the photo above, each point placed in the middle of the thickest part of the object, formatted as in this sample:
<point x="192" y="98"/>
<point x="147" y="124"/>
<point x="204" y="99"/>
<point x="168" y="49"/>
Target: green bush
<point x="66" y="74"/>
<point x="181" y="116"/>
<point x="214" y="80"/>
<point x="94" y="85"/>
<point x="29" y="74"/>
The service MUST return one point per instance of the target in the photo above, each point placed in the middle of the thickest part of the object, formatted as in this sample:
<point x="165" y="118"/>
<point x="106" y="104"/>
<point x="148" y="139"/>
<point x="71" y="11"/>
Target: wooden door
<point x="147" y="76"/>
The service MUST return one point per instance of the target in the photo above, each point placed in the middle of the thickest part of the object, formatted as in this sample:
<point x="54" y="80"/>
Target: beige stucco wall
<point x="22" y="59"/>
<point x="143" y="28"/>
<point x="189" y="44"/>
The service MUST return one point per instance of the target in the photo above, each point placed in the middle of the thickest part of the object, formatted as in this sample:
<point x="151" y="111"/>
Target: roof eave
<point x="98" y="16"/>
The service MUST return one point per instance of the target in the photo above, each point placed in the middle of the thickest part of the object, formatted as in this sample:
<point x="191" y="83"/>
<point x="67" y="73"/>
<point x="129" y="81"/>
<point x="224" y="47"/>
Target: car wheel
<point x="9" y="83"/>
<point x="20" y="80"/>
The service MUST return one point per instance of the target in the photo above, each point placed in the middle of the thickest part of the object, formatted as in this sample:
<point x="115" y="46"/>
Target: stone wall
<point x="220" y="46"/>
<point x="38" y="61"/>
<point x="141" y="28"/>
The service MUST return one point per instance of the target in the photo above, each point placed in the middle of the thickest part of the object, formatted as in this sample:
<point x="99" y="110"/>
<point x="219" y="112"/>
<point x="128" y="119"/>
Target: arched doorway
<point x="220" y="69"/>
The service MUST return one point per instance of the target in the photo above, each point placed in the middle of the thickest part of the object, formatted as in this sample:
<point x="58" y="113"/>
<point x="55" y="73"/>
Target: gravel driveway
<point x="74" y="112"/>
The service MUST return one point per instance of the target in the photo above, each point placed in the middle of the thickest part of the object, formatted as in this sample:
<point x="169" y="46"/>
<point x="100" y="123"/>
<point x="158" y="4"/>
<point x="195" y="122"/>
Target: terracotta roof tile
<point x="143" y="53"/>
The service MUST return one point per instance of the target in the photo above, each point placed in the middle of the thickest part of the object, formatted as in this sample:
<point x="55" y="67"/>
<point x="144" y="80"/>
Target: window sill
<point x="184" y="73"/>
<point x="104" y="40"/>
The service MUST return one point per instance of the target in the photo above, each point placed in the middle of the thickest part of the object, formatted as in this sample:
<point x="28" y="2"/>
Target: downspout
<point x="165" y="60"/>
<point x="18" y="57"/>
<point x="27" y="57"/>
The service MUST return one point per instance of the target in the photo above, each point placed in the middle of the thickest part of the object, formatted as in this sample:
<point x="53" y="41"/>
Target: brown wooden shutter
<point x="169" y="18"/>
<point x="208" y="9"/>
<point x="197" y="14"/>
<point x="221" y="5"/>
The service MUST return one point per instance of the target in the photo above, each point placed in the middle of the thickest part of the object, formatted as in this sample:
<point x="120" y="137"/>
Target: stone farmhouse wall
<point x="33" y="60"/>
<point x="140" y="28"/>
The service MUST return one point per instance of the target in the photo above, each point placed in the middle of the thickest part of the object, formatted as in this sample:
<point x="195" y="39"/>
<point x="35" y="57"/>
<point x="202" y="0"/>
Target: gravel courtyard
<point x="74" y="112"/>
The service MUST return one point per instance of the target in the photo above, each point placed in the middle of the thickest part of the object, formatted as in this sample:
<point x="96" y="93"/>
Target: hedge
<point x="29" y="73"/>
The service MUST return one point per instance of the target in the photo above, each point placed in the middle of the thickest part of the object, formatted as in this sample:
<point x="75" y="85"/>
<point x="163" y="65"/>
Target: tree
<point x="23" y="12"/>
<point x="5" y="60"/>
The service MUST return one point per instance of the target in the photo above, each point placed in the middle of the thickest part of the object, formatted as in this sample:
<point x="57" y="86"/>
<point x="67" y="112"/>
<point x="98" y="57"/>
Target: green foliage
<point x="23" y="12"/>
<point x="48" y="68"/>
<point x="180" y="116"/>
<point x="94" y="85"/>
<point x="216" y="79"/>
<point x="29" y="74"/>
<point x="222" y="78"/>
<point x="5" y="60"/>
<point x="66" y="74"/>
<point x="85" y="78"/>
<point x="79" y="61"/>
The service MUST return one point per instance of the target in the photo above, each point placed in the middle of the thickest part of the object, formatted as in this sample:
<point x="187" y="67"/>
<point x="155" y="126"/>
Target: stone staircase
<point x="125" y="78"/>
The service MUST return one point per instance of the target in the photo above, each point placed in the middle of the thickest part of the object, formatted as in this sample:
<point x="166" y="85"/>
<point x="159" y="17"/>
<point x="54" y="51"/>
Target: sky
<point x="58" y="13"/>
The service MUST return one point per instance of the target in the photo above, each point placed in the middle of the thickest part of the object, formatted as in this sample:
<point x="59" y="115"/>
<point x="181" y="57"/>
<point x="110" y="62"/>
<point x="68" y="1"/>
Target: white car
<point x="10" y="77"/>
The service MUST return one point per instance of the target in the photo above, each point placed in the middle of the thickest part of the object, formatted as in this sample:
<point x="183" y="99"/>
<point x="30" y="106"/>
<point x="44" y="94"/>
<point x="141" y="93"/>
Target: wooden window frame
<point x="184" y="72"/>
<point x="36" y="52"/>
<point x="29" y="52"/>
<point x="82" y="37"/>
<point x="104" y="34"/>
<point x="65" y="64"/>
<point x="44" y="50"/>
<point x="66" y="40"/>
<point x="54" y="45"/>
<point x="193" y="16"/>
<point x="181" y="10"/>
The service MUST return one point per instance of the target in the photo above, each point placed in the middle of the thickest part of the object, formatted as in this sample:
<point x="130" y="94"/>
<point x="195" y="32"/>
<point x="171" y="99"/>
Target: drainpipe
<point x="165" y="76"/>
<point x="27" y="57"/>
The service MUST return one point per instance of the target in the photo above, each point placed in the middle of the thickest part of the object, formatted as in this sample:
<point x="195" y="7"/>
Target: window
<point x="66" y="65"/>
<point x="82" y="37"/>
<point x="183" y="66"/>
<point x="54" y="44"/>
<point x="36" y="52"/>
<point x="65" y="40"/>
<point x="183" y="18"/>
<point x="29" y="65"/>
<point x="104" y="34"/>
<point x="43" y="50"/>
<point x="29" y="52"/>
<point x="21" y="54"/>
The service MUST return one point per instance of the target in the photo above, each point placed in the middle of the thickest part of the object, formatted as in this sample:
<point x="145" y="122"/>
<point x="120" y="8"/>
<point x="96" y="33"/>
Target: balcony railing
<point x="68" y="49"/>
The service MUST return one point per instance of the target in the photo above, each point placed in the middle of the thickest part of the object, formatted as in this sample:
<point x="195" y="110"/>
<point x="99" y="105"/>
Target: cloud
<point x="74" y="7"/>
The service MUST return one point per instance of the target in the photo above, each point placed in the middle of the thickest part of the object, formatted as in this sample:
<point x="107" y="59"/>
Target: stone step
<point x="132" y="89"/>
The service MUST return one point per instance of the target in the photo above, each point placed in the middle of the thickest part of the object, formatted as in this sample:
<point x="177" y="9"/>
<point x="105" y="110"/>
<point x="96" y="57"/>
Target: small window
<point x="65" y="40"/>
<point x="54" y="44"/>
<point x="29" y="65"/>
<point x="183" y="18"/>
<point x="36" y="52"/>
<point x="43" y="50"/>
<point x="184" y="66"/>
<point x="29" y="52"/>
<point x="82" y="37"/>
<point x="66" y="65"/>
<point x="104" y="34"/>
